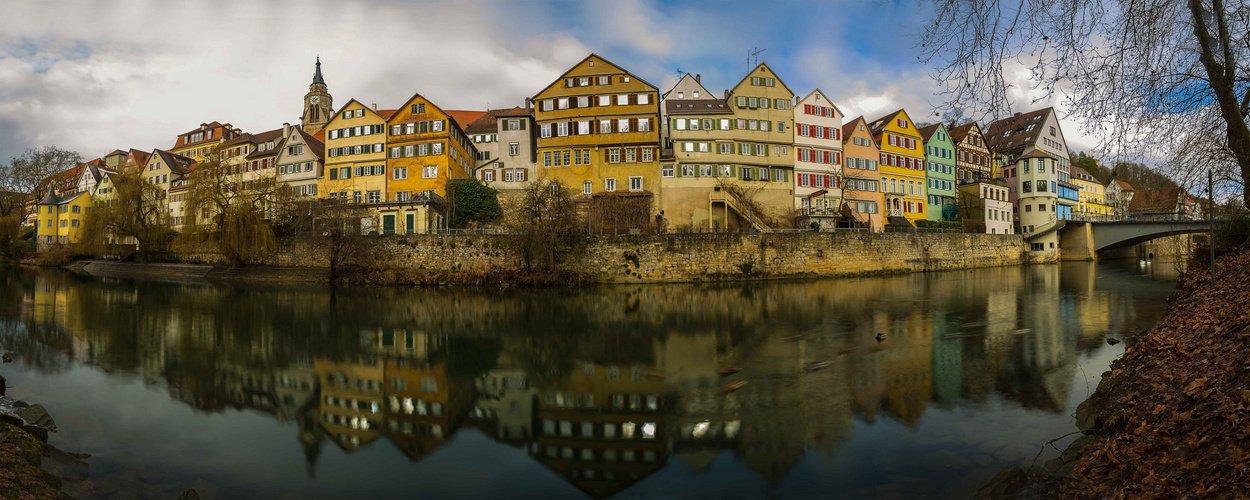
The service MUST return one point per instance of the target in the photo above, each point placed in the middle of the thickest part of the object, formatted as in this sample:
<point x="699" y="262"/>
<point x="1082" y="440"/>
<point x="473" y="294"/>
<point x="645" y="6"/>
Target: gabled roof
<point x="1078" y="170"/>
<point x="928" y="131"/>
<point x="315" y="146"/>
<point x="1155" y="199"/>
<point x="826" y="98"/>
<point x="848" y="128"/>
<point x="176" y="162"/>
<point x="686" y="78"/>
<point x="697" y="106"/>
<point x="382" y="113"/>
<point x="770" y="70"/>
<point x="1017" y="124"/>
<point x="205" y="127"/>
<point x="488" y="122"/>
<point x="579" y="63"/>
<point x="271" y="135"/>
<point x="1124" y="185"/>
<point x="960" y="132"/>
<point x="115" y="152"/>
<point x="876" y="126"/>
<point x="464" y="117"/>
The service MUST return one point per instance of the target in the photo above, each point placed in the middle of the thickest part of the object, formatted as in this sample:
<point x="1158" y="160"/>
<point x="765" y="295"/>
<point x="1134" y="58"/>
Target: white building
<point x="818" y="158"/>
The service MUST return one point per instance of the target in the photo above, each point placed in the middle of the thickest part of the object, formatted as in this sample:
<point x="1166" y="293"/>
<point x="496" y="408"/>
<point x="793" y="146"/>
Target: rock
<point x="1112" y="341"/>
<point x="189" y="494"/>
<point x="1058" y="468"/>
<point x="7" y="357"/>
<point x="2" y="385"/>
<point x="1088" y="418"/>
<point x="1004" y="484"/>
<point x="31" y="418"/>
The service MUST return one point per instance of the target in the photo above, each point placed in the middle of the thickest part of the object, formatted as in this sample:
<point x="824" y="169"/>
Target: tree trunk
<point x="1223" y="83"/>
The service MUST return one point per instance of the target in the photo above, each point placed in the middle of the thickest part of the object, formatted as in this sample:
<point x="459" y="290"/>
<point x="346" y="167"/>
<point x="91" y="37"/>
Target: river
<point x="312" y="392"/>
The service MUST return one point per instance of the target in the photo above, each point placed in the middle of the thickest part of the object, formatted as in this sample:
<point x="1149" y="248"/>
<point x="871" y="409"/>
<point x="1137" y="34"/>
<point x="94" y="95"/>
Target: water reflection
<point x="607" y="388"/>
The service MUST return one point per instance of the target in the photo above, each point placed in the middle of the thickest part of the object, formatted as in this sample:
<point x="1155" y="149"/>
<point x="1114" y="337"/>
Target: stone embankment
<point x="673" y="258"/>
<point x="695" y="257"/>
<point x="1171" y="418"/>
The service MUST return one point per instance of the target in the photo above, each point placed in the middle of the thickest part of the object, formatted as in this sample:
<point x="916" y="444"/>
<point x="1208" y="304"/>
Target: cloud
<point x="96" y="76"/>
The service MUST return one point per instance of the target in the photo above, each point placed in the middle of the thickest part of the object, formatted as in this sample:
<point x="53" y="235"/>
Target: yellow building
<point x="60" y="219"/>
<point x="356" y="155"/>
<point x="426" y="148"/>
<point x="902" y="166"/>
<point x="598" y="130"/>
<point x="1093" y="196"/>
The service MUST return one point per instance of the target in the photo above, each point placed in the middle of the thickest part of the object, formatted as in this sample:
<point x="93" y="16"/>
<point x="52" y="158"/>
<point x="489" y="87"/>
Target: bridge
<point x="1081" y="240"/>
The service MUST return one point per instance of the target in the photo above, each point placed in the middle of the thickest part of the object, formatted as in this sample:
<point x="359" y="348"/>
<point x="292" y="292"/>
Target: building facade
<point x="1022" y="133"/>
<point x="426" y="148"/>
<point x="818" y="159"/>
<point x="598" y="130"/>
<point x="60" y="219"/>
<point x="939" y="155"/>
<point x="511" y="165"/>
<point x="301" y="161"/>
<point x="355" y="159"/>
<point x="1034" y="175"/>
<point x="985" y="207"/>
<point x="902" y="168"/>
<point x="973" y="160"/>
<point x="698" y="137"/>
<point x="861" y="178"/>
<point x="1093" y="197"/>
<point x="197" y="143"/>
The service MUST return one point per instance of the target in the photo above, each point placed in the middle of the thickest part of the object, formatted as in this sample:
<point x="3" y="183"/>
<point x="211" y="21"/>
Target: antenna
<point x="754" y="54"/>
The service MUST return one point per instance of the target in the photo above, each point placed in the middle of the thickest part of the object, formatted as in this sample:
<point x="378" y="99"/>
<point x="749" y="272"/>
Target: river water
<point x="311" y="392"/>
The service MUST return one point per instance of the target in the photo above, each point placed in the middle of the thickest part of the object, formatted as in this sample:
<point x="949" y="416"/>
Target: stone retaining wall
<point x="693" y="257"/>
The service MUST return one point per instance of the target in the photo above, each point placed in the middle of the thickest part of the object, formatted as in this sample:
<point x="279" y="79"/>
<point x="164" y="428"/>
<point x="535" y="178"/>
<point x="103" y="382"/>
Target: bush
<point x="950" y="224"/>
<point x="55" y="257"/>
<point x="928" y="223"/>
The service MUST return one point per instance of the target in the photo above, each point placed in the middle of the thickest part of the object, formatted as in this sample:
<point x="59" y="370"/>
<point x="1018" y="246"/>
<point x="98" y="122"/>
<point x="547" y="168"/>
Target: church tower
<point x="318" y="106"/>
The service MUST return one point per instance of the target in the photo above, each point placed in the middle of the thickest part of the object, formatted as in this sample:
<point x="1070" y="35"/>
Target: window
<point x="644" y="98"/>
<point x="562" y="129"/>
<point x="609" y="184"/>
<point x="622" y="100"/>
<point x="488" y="175"/>
<point x="666" y="170"/>
<point x="399" y="173"/>
<point x="644" y="124"/>
<point x="562" y="103"/>
<point x="614" y="155"/>
<point x="635" y="183"/>
<point x="605" y="126"/>
<point x="586" y="187"/>
<point x="605" y="100"/>
<point x="429" y="172"/>
<point x="544" y="130"/>
<point x="514" y="148"/>
<point x="622" y="125"/>
<point x="630" y="153"/>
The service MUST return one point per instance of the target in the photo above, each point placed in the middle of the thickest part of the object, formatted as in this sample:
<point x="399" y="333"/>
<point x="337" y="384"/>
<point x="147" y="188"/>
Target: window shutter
<point x="522" y="123"/>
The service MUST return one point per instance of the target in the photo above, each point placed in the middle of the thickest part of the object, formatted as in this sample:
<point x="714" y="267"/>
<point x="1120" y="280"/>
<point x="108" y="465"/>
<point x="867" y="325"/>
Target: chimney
<point x="697" y="80"/>
<point x="286" y="129"/>
<point x="375" y="106"/>
<point x="1017" y="115"/>
<point x="528" y="102"/>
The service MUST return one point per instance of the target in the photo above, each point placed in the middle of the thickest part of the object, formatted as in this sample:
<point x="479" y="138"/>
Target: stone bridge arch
<point x="1084" y="240"/>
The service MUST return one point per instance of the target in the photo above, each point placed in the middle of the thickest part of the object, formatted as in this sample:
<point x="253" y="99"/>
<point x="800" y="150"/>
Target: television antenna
<point x="753" y="57"/>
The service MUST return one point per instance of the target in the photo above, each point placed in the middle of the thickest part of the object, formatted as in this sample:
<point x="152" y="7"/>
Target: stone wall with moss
<point x="692" y="257"/>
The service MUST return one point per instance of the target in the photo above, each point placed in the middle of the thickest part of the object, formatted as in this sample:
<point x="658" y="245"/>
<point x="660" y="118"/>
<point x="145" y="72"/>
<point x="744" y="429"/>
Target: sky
<point x="94" y="76"/>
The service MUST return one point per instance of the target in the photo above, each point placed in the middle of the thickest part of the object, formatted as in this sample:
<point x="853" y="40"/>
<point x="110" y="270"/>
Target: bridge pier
<point x="1076" y="242"/>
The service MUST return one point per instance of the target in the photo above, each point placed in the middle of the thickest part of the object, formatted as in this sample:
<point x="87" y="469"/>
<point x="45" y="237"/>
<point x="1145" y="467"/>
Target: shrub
<point x="55" y="257"/>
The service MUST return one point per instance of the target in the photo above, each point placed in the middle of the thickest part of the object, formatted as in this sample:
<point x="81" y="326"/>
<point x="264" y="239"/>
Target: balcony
<point x="820" y="212"/>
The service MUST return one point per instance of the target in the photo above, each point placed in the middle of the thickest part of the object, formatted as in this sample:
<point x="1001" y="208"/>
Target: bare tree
<point x="135" y="211"/>
<point x="30" y="176"/>
<point x="1167" y="79"/>
<point x="233" y="210"/>
<point x="546" y="229"/>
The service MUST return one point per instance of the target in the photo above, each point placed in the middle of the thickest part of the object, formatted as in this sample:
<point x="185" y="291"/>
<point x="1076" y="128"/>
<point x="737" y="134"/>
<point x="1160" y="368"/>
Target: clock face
<point x="315" y="99"/>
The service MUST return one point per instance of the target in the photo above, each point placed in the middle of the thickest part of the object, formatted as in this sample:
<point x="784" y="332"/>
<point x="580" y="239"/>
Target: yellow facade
<point x="61" y="223"/>
<point x="1093" y="198"/>
<point x="598" y="129"/>
<point x="902" y="165"/>
<point x="355" y="160"/>
<point x="198" y="143"/>
<point x="425" y="149"/>
<point x="162" y="170"/>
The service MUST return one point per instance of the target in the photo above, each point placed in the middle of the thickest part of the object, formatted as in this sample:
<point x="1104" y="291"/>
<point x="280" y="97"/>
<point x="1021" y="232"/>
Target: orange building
<point x="426" y="148"/>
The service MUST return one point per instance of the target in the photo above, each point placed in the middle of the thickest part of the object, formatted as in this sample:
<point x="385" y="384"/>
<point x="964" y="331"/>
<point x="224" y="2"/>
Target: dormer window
<point x="695" y="94"/>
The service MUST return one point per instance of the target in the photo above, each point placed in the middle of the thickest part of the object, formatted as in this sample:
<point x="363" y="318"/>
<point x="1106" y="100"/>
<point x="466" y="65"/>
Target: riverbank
<point x="1172" y="416"/>
<point x="30" y="468"/>
<point x="488" y="261"/>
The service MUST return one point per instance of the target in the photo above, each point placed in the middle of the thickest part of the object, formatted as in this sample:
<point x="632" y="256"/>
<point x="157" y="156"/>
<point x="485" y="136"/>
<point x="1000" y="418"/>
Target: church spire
<point x="317" y="76"/>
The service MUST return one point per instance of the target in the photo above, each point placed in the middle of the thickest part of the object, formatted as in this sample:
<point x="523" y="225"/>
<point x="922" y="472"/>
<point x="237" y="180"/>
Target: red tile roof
<point x="848" y="128"/>
<point x="386" y="114"/>
<point x="697" y="106"/>
<point x="1155" y="199"/>
<point x="1020" y="137"/>
<point x="488" y="122"/>
<point x="464" y="117"/>
<point x="1124" y="185"/>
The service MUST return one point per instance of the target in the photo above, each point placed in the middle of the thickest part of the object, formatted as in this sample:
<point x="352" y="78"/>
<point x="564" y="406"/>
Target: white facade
<point x="817" y="156"/>
<point x="300" y="162"/>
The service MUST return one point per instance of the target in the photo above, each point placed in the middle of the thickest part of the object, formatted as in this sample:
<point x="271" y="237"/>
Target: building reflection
<point x="604" y="389"/>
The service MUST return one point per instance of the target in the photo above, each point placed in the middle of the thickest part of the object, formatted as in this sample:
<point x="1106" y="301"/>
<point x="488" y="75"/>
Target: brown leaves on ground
<point x="1175" y="422"/>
